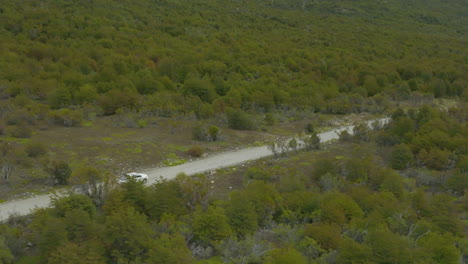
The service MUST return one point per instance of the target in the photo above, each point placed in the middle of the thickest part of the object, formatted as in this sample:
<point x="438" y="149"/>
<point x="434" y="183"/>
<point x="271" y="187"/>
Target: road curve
<point x="221" y="160"/>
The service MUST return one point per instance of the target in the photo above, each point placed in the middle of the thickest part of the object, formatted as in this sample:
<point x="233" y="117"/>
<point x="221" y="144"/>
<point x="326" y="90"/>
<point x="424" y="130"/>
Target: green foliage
<point x="388" y="247"/>
<point x="164" y="197"/>
<point x="201" y="88"/>
<point x="339" y="208"/>
<point x="71" y="253"/>
<point x="66" y="117"/>
<point x="60" y="98"/>
<point x="170" y="249"/>
<point x="238" y="119"/>
<point x="86" y="94"/>
<point x="270" y="119"/>
<point x="127" y="235"/>
<point x="60" y="171"/>
<point x="351" y="252"/>
<point x="309" y="128"/>
<point x="285" y="256"/>
<point x="328" y="236"/>
<point x="211" y="226"/>
<point x="436" y="248"/>
<point x="116" y="99"/>
<point x="213" y="131"/>
<point x="241" y="214"/>
<point x="195" y="151"/>
<point x="64" y="205"/>
<point x="200" y="133"/>
<point x="21" y="131"/>
<point x="5" y="254"/>
<point x="49" y="233"/>
<point x="401" y="157"/>
<point x="35" y="149"/>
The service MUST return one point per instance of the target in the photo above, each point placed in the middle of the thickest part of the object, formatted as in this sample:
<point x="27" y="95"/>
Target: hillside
<point x="93" y="89"/>
<point x="168" y="57"/>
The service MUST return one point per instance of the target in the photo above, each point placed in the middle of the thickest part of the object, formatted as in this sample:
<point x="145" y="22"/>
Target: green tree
<point x="241" y="214"/>
<point x="388" y="247"/>
<point x="202" y="88"/>
<point x="401" y="157"/>
<point x="72" y="202"/>
<point x="437" y="248"/>
<point x="5" y="254"/>
<point x="170" y="249"/>
<point x="213" y="131"/>
<point x="284" y="256"/>
<point x="328" y="236"/>
<point x="60" y="171"/>
<point x="49" y="233"/>
<point x="351" y="252"/>
<point x="211" y="226"/>
<point x="71" y="253"/>
<point x="127" y="235"/>
<point x="238" y="119"/>
<point x="86" y="94"/>
<point x="165" y="197"/>
<point x="339" y="208"/>
<point x="60" y="98"/>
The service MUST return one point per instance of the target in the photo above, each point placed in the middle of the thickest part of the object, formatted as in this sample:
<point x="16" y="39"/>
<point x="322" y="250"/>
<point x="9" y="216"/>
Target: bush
<point x="214" y="132"/>
<point x="2" y="128"/>
<point x="195" y="151"/>
<point x="60" y="171"/>
<point x="66" y="117"/>
<point x="401" y="157"/>
<point x="142" y="123"/>
<point x="309" y="128"/>
<point x="270" y="119"/>
<point x="19" y="131"/>
<point x="238" y="119"/>
<point x="199" y="133"/>
<point x="35" y="149"/>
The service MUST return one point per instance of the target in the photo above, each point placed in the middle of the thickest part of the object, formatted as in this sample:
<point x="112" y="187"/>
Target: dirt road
<point x="221" y="160"/>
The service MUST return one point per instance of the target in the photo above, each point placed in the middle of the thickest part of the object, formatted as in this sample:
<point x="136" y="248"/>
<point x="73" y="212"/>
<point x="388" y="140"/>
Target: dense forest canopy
<point x="204" y="56"/>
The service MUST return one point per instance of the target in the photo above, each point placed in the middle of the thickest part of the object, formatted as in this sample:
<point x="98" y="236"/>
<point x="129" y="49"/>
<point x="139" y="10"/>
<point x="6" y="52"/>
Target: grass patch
<point x="177" y="147"/>
<point x="135" y="150"/>
<point x="123" y="135"/>
<point x="13" y="139"/>
<point x="173" y="160"/>
<point x="106" y="138"/>
<point x="87" y="124"/>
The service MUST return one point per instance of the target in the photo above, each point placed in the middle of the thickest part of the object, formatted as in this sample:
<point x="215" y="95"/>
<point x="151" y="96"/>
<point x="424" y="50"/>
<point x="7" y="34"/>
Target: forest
<point x="102" y="57"/>
<point x="392" y="195"/>
<point x="88" y="85"/>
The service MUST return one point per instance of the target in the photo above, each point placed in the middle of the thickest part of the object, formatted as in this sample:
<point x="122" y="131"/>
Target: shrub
<point x="238" y="119"/>
<point x="35" y="149"/>
<point x="20" y="131"/>
<point x="270" y="119"/>
<point x="199" y="133"/>
<point x="66" y="117"/>
<point x="309" y="128"/>
<point x="2" y="128"/>
<point x="195" y="151"/>
<point x="401" y="157"/>
<point x="142" y="123"/>
<point x="213" y="131"/>
<point x="60" y="171"/>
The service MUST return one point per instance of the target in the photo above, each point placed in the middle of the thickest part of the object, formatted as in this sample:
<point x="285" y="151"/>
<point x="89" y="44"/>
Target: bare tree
<point x="7" y="161"/>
